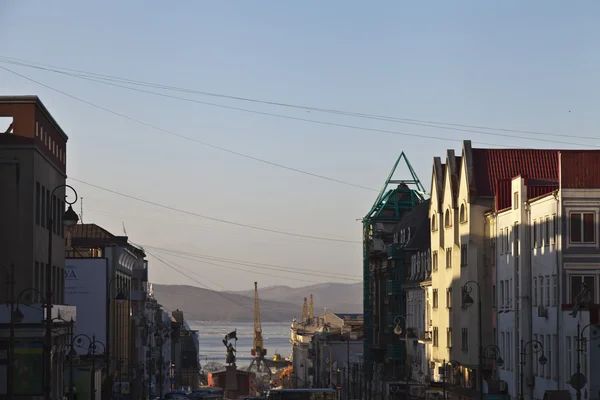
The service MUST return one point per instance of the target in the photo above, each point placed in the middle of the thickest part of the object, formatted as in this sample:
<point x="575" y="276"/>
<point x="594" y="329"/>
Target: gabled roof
<point x="492" y="165"/>
<point x="452" y="172"/>
<point x="437" y="179"/>
<point x="580" y="169"/>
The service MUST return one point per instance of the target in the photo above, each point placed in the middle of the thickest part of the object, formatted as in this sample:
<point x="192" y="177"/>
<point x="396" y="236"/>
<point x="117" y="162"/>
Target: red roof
<point x="535" y="188"/>
<point x="492" y="165"/>
<point x="580" y="169"/>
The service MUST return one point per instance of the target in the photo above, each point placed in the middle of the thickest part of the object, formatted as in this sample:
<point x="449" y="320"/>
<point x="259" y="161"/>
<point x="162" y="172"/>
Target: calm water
<point x="276" y="338"/>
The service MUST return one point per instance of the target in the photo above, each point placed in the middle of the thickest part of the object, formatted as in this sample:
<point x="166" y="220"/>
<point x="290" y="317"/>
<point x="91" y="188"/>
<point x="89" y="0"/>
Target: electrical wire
<point x="242" y="270"/>
<point x="221" y="294"/>
<point x="409" y="121"/>
<point x="205" y="228"/>
<point x="153" y="203"/>
<point x="303" y="271"/>
<point x="347" y="126"/>
<point x="261" y="160"/>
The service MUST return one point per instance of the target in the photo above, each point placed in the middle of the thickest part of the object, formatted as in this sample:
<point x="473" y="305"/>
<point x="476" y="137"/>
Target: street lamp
<point x="445" y="364"/>
<point x="492" y="352"/>
<point x="116" y="338"/>
<point x="159" y="338"/>
<point x="398" y="331"/>
<point x="534" y="348"/>
<point x="69" y="219"/>
<point x="467" y="302"/>
<point x="76" y="341"/>
<point x="578" y="380"/>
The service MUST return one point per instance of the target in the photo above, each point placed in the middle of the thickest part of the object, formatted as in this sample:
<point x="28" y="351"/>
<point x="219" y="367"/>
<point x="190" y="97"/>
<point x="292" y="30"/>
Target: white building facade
<point x="547" y="279"/>
<point x="526" y="285"/>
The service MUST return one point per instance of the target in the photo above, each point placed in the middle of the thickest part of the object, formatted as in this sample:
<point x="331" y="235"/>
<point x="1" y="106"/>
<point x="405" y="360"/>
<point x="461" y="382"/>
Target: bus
<point x="302" y="394"/>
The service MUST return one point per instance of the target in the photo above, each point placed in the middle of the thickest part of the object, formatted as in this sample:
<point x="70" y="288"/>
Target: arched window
<point x="447" y="219"/>
<point x="463" y="213"/>
<point x="433" y="227"/>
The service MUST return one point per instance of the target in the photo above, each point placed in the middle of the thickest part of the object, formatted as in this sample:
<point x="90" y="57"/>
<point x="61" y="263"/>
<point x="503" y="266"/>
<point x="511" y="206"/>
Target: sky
<point x="512" y="65"/>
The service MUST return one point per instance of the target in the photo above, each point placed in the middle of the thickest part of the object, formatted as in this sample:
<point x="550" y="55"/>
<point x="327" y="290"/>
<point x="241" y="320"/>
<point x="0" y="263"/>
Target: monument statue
<point x="230" y="354"/>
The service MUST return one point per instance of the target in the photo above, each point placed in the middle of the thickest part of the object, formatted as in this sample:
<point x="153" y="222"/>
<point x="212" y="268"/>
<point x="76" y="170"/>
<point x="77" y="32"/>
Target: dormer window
<point x="447" y="219"/>
<point x="433" y="223"/>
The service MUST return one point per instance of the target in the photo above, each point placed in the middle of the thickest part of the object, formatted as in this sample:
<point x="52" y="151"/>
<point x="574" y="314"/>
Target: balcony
<point x="394" y="251"/>
<point x="395" y="352"/>
<point x="394" y="288"/>
<point x="425" y="337"/>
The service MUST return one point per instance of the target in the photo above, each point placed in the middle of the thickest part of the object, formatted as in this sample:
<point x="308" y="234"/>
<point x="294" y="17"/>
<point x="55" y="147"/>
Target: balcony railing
<point x="425" y="336"/>
<point x="394" y="251"/>
<point x="394" y="288"/>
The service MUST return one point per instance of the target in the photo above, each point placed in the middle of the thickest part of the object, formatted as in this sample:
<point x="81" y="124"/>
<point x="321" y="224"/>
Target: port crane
<point x="258" y="351"/>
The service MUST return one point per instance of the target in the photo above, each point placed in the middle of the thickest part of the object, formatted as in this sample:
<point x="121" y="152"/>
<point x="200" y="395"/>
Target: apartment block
<point x="33" y="155"/>
<point x="464" y="252"/>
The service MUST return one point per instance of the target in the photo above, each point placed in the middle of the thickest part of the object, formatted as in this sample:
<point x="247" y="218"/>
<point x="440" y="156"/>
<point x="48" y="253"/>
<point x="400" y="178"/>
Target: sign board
<point x="28" y="370"/>
<point x="85" y="288"/>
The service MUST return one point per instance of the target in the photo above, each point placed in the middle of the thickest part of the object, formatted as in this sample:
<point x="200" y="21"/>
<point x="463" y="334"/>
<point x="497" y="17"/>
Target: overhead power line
<point x="244" y="233"/>
<point x="213" y="218"/>
<point x="261" y="160"/>
<point x="274" y="267"/>
<point x="221" y="294"/>
<point x="409" y="121"/>
<point x="228" y="267"/>
<point x="347" y="126"/>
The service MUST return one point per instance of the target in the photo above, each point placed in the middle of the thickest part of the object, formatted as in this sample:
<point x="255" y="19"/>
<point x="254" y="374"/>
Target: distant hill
<point x="277" y="303"/>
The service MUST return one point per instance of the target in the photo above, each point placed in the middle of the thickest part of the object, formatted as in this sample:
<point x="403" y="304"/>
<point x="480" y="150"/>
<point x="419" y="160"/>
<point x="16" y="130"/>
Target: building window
<point x="535" y="235"/>
<point x="434" y="261"/>
<point x="435" y="298"/>
<point x="449" y="297"/>
<point x="48" y="216"/>
<point x="577" y="284"/>
<point x="535" y="290"/>
<point x="436" y="341"/>
<point x="554" y="290"/>
<point x="433" y="221"/>
<point x="449" y="338"/>
<point x="463" y="213"/>
<point x="547" y="232"/>
<point x="541" y="290"/>
<point x="548" y="349"/>
<point x="449" y="257"/>
<point x="501" y="294"/>
<point x="448" y="219"/>
<point x="547" y="291"/>
<point x="494" y="296"/>
<point x="61" y="213"/>
<point x="516" y="201"/>
<point x="38" y="202"/>
<point x="503" y="347"/>
<point x="582" y="228"/>
<point x="465" y="339"/>
<point x="464" y="255"/>
<point x="569" y="364"/>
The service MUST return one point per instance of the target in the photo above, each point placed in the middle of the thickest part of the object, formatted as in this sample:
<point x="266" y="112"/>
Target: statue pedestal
<point x="231" y="383"/>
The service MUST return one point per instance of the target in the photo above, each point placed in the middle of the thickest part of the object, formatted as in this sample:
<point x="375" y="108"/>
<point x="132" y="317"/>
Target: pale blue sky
<point x="528" y="65"/>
